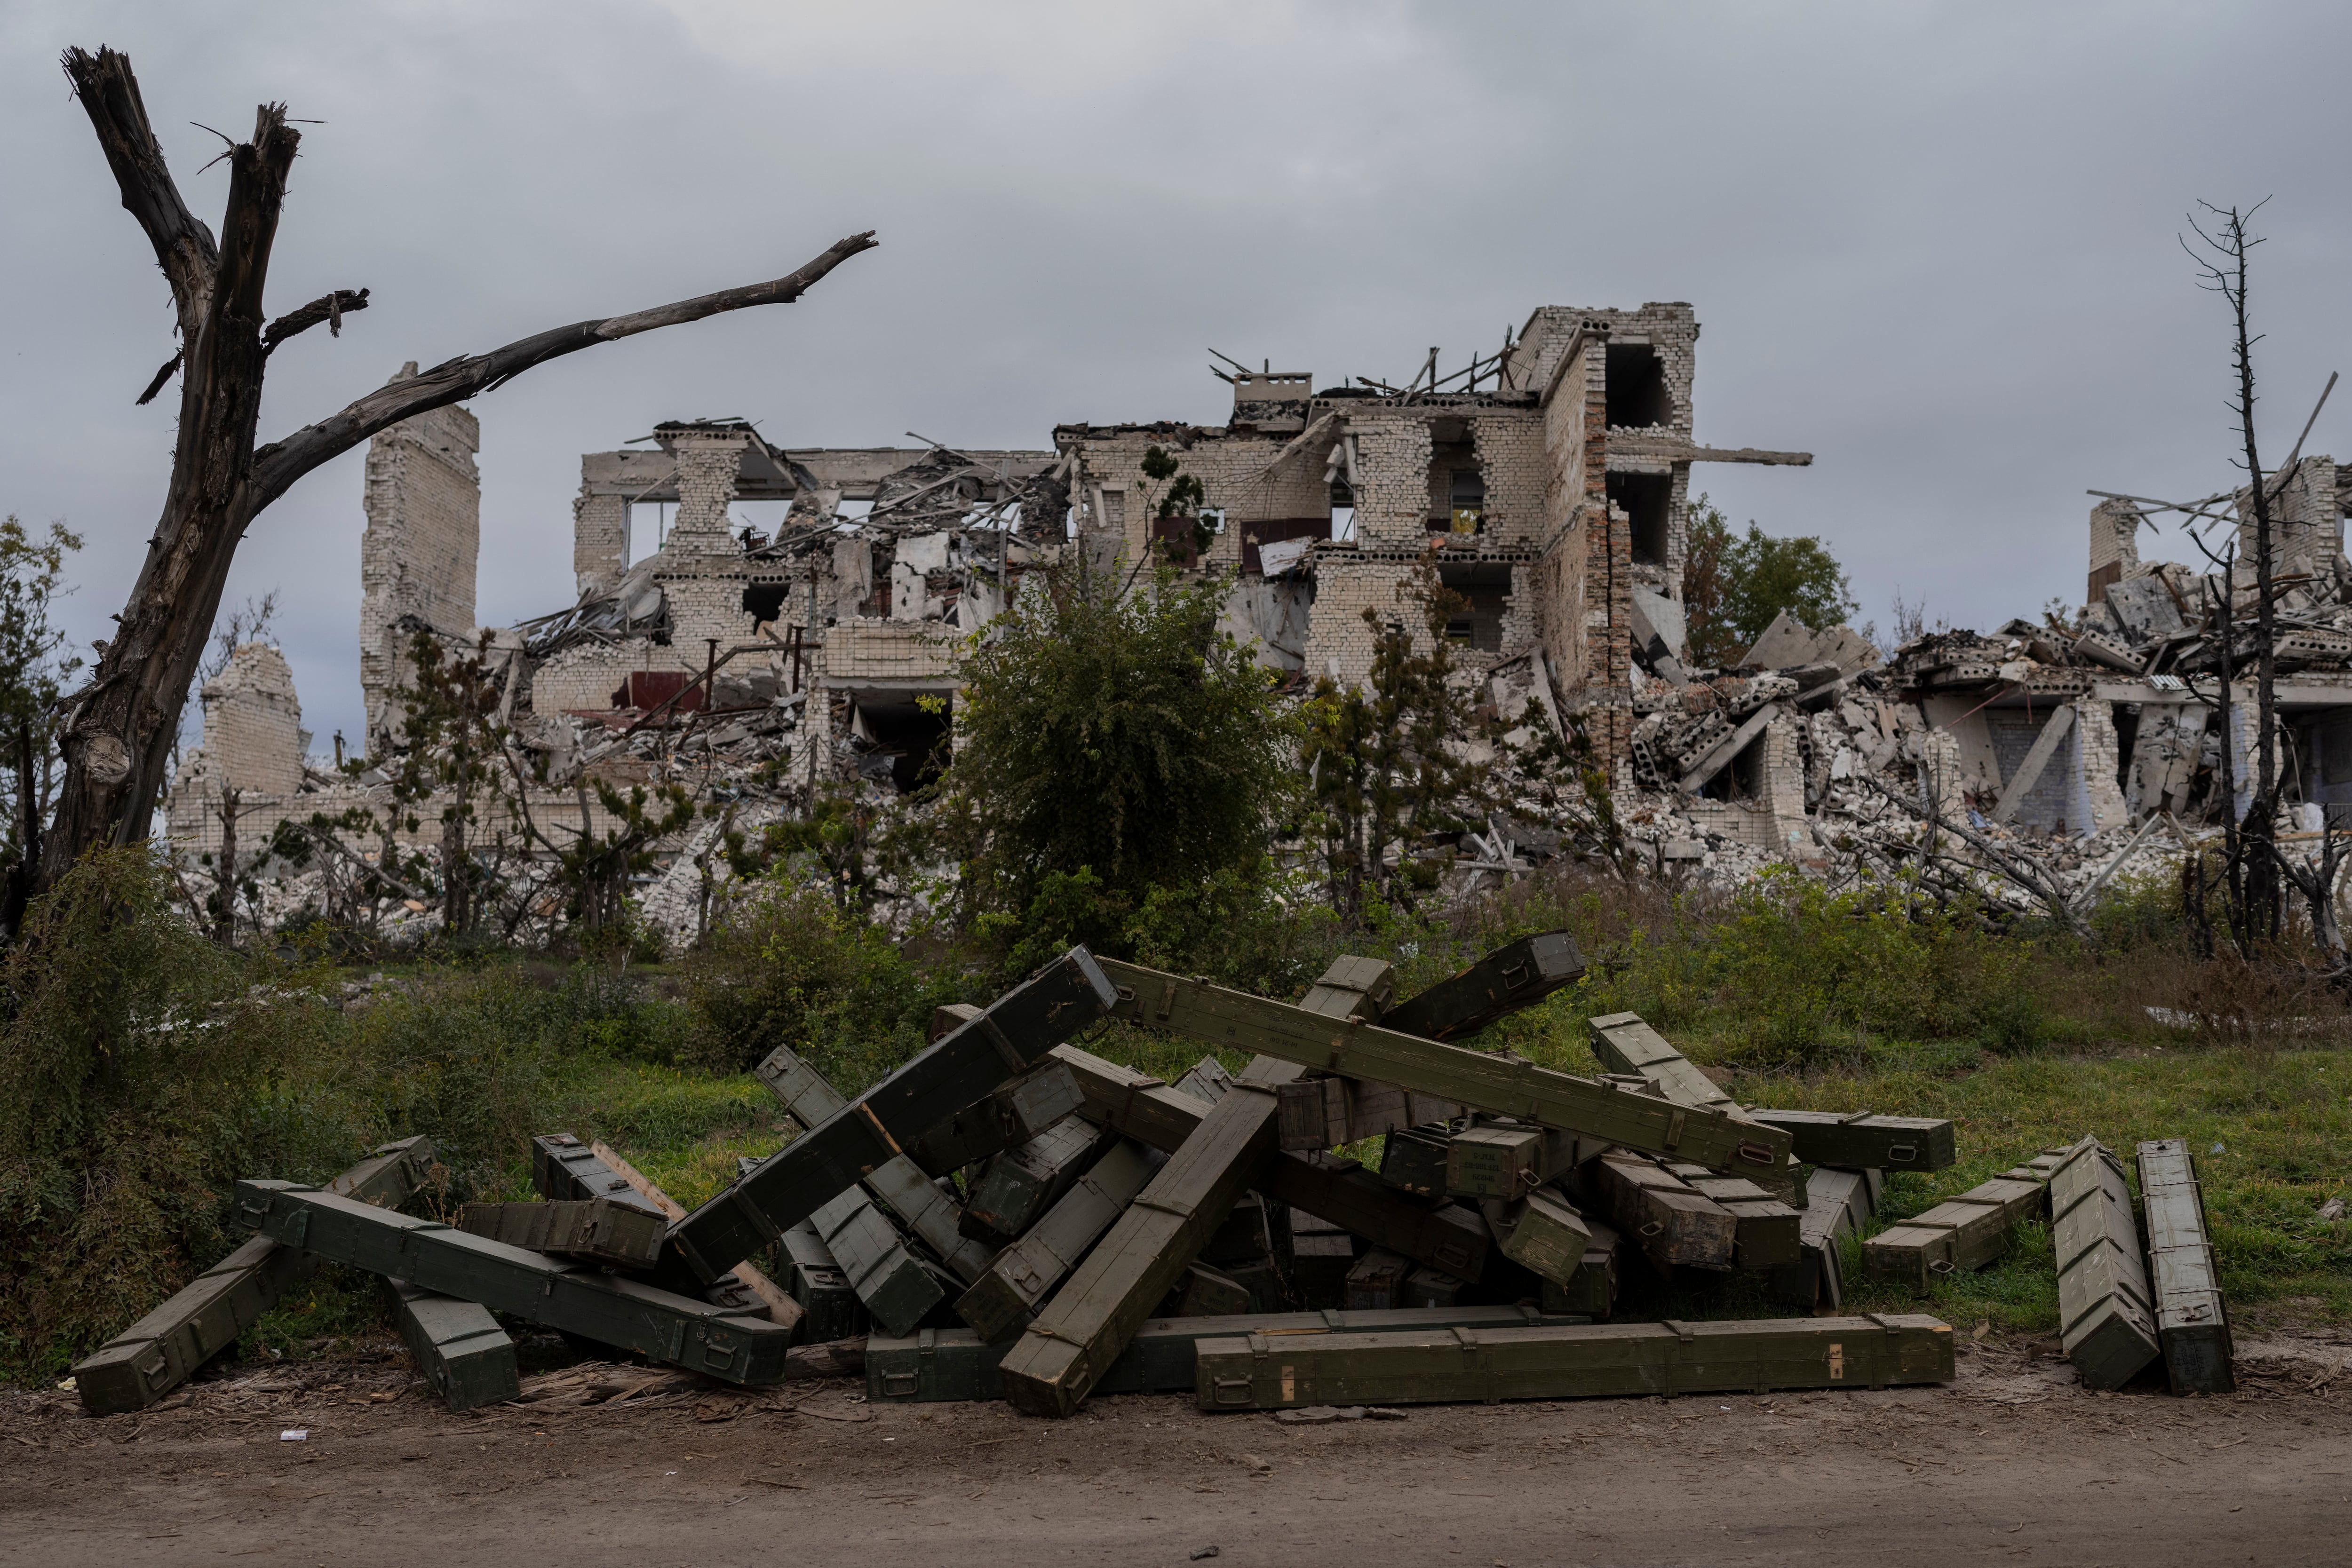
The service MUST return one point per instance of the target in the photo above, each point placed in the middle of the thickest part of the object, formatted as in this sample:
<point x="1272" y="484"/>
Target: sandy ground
<point x="2013" y="1463"/>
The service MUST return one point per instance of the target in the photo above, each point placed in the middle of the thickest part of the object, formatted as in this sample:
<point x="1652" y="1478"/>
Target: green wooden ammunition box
<point x="1325" y="1113"/>
<point x="1659" y="1213"/>
<point x="593" y="1227"/>
<point x="1841" y="1202"/>
<point x="1256" y="1230"/>
<point x="1376" y="1282"/>
<point x="1414" y="1160"/>
<point x="1352" y="987"/>
<point x="1210" y="1293"/>
<point x="1208" y="1082"/>
<point x="1427" y="1288"/>
<point x="1003" y="1042"/>
<point x="1961" y="1233"/>
<point x="1862" y="1140"/>
<point x="1002" y="1301"/>
<point x="2107" y="1321"/>
<point x="1260" y="1372"/>
<point x="1322" y="1184"/>
<point x="1498" y="1084"/>
<point x="956" y="1364"/>
<point x="1021" y="1184"/>
<point x="1516" y="976"/>
<point x="565" y="1169"/>
<point x="930" y="1215"/>
<point x="1499" y="1162"/>
<point x="812" y="1276"/>
<point x="1009" y="1117"/>
<point x="1321" y="1253"/>
<point x="1591" y="1290"/>
<point x="1543" y="1233"/>
<point x="1623" y="1044"/>
<point x="1766" y="1232"/>
<point x="801" y="1088"/>
<point x="458" y="1346"/>
<point x="1077" y="1335"/>
<point x="163" y="1348"/>
<point x="1268" y="1283"/>
<point x="579" y="1298"/>
<point x="2192" y="1321"/>
<point x="896" y="1287"/>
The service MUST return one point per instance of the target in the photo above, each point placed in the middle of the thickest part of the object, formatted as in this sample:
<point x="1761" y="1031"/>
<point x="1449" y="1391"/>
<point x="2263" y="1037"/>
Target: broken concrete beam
<point x="1501" y="1085"/>
<point x="467" y="1358"/>
<point x="608" y="1308"/>
<point x="163" y="1348"/>
<point x="626" y="1235"/>
<point x="1077" y="1334"/>
<point x="1960" y="1234"/>
<point x="1267" y="1372"/>
<point x="2107" y="1321"/>
<point x="2192" y="1322"/>
<point x="1862" y="1140"/>
<point x="1515" y="975"/>
<point x="1004" y="1298"/>
<point x="1658" y="1210"/>
<point x="956" y="1364"/>
<point x="1335" y="1188"/>
<point x="1003" y="1042"/>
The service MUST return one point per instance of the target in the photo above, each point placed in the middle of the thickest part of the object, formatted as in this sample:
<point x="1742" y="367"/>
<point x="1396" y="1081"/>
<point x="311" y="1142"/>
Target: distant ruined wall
<point x="418" y="555"/>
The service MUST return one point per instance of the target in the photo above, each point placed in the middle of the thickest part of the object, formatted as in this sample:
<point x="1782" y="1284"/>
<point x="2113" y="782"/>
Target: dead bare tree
<point x="118" y="731"/>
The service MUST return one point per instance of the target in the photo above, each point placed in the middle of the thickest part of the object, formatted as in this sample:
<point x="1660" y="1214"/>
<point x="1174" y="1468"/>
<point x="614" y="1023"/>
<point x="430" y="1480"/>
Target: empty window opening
<point x="1636" y="381"/>
<point x="1343" y="522"/>
<point x="1482" y="592"/>
<point x="649" y="523"/>
<point x="1645" y="499"/>
<point x="907" y="735"/>
<point x="1457" y="491"/>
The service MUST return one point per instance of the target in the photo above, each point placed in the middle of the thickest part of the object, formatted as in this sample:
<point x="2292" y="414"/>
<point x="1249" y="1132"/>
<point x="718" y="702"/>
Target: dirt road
<point x="2014" y="1463"/>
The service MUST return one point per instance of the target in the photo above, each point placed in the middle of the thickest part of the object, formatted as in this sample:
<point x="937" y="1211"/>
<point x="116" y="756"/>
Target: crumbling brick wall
<point x="253" y="737"/>
<point x="1238" y="473"/>
<point x="1338" y="641"/>
<point x="600" y="541"/>
<point x="2114" y="546"/>
<point x="2098" y="763"/>
<point x="1392" y="496"/>
<point x="1511" y="460"/>
<point x="422" y="501"/>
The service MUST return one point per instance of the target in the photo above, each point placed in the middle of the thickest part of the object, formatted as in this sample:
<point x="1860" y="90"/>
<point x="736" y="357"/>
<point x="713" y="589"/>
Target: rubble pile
<point x="1010" y="1215"/>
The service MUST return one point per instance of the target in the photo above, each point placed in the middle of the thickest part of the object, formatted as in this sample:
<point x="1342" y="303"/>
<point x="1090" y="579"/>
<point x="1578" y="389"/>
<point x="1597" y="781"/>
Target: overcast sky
<point x="1933" y="245"/>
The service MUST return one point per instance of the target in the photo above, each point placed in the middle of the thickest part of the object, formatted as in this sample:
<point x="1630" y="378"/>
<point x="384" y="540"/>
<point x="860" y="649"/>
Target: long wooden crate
<point x="1261" y="1372"/>
<point x="1961" y="1233"/>
<point x="2192" y="1321"/>
<point x="2104" y="1318"/>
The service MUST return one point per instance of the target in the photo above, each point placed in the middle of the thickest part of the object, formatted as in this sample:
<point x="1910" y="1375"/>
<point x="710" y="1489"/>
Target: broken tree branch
<point x="276" y="466"/>
<point x="184" y="246"/>
<point x="161" y="377"/>
<point x="328" y="307"/>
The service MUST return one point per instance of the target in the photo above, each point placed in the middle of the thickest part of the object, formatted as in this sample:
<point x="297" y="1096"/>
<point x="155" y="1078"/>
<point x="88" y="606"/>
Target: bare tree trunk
<point x="117" y="731"/>
<point x="21" y="876"/>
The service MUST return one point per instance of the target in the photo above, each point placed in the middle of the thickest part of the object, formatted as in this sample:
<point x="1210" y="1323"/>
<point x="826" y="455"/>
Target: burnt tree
<point x="117" y="731"/>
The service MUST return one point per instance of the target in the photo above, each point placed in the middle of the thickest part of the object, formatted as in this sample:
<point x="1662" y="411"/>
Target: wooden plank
<point x="1658" y="1213"/>
<point x="2106" y="1319"/>
<point x="1336" y="1189"/>
<point x="1518" y="975"/>
<point x="1504" y="1086"/>
<point x="957" y="1364"/>
<point x="467" y="1358"/>
<point x="2192" y="1321"/>
<point x="611" y="1309"/>
<point x="1003" y="1042"/>
<point x="1962" y="1233"/>
<point x="163" y="1348"/>
<point x="1077" y="1335"/>
<point x="1263" y="1372"/>
<point x="1003" y="1298"/>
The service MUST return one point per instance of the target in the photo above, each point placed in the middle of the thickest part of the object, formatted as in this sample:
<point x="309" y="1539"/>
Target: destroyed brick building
<point x="1546" y="485"/>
